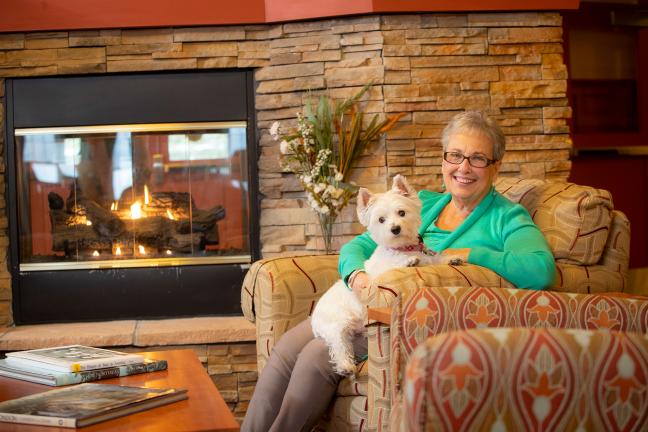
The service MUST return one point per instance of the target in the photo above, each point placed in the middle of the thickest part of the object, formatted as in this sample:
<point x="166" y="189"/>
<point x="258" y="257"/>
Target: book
<point x="72" y="358"/>
<point x="85" y="404"/>
<point x="54" y="378"/>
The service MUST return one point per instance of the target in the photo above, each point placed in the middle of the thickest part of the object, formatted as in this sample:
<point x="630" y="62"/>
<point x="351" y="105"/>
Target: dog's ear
<point x="402" y="187"/>
<point x="362" y="207"/>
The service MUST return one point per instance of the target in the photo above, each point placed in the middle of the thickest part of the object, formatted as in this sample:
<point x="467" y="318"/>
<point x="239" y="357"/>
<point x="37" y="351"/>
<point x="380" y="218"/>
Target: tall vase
<point x="326" y="224"/>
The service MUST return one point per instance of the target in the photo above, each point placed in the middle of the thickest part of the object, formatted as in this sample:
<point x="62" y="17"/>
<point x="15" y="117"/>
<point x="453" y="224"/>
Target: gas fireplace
<point x="130" y="195"/>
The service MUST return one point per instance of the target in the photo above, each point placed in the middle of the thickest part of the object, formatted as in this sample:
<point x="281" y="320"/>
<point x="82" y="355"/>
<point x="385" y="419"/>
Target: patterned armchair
<point x="515" y="359"/>
<point x="528" y="379"/>
<point x="590" y="241"/>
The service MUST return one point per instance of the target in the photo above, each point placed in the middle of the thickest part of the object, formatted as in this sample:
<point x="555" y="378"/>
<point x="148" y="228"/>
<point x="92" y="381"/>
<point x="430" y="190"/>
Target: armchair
<point x="434" y="313"/>
<point x="589" y="239"/>
<point x="528" y="379"/>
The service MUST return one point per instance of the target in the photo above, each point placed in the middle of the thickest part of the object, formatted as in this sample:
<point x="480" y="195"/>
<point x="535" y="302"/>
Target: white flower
<point x="338" y="176"/>
<point x="274" y="130"/>
<point x="284" y="147"/>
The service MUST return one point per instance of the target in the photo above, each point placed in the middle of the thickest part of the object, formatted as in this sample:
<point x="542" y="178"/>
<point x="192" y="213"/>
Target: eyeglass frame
<point x="464" y="157"/>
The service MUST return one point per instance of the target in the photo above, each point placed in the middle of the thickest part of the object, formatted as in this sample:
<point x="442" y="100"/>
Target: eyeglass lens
<point x="476" y="161"/>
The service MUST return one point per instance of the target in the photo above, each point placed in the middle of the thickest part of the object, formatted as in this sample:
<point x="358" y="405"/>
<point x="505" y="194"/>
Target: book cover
<point x="85" y="404"/>
<point x="54" y="378"/>
<point x="72" y="358"/>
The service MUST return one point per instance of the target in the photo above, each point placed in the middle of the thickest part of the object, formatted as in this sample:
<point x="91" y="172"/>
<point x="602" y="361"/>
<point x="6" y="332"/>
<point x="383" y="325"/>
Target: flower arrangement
<point x="321" y="151"/>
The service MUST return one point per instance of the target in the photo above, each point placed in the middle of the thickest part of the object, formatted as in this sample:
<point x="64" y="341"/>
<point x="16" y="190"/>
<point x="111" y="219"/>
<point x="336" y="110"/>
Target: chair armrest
<point x="381" y="293"/>
<point x="384" y="289"/>
<point x="279" y="293"/>
<point x="589" y="279"/>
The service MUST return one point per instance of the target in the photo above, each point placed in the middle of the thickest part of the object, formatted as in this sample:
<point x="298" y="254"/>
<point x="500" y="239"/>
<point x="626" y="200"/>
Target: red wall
<point x="42" y="15"/>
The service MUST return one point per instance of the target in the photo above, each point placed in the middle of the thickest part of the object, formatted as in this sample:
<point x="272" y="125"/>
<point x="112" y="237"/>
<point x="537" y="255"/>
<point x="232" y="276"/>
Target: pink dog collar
<point x="418" y="247"/>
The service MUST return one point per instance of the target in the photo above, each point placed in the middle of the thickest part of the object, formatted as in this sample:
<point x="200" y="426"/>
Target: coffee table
<point x="205" y="410"/>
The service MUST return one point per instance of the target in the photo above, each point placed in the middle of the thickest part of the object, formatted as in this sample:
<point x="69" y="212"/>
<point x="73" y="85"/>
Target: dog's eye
<point x="401" y="213"/>
<point x="381" y="219"/>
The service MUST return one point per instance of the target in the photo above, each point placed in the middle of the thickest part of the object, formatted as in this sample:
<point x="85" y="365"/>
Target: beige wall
<point x="429" y="66"/>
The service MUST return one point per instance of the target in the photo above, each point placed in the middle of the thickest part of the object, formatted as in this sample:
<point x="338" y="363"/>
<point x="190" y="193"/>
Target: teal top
<point x="500" y="234"/>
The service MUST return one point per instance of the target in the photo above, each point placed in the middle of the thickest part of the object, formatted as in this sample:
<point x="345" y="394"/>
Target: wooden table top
<point x="204" y="410"/>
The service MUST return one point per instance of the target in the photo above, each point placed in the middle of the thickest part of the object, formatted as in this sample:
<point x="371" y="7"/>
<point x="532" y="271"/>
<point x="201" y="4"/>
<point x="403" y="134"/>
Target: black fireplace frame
<point x="112" y="99"/>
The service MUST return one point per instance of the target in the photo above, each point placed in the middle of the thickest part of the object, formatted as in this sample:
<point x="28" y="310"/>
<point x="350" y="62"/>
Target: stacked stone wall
<point x="428" y="66"/>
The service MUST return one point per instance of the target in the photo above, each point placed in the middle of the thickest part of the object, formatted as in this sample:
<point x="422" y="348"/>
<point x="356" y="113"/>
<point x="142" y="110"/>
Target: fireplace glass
<point x="132" y="195"/>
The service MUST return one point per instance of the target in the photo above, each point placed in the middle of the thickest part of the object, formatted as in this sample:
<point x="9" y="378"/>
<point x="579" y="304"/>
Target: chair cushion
<point x="574" y="219"/>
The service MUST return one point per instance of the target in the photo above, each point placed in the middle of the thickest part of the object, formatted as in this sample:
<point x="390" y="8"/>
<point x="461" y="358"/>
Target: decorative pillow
<point x="574" y="219"/>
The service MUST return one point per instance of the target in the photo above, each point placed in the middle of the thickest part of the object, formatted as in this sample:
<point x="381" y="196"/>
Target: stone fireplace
<point x="429" y="66"/>
<point x="130" y="187"/>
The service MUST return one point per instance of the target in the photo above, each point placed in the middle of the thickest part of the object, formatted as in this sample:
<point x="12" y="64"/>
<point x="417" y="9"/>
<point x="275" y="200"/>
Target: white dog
<point x="393" y="220"/>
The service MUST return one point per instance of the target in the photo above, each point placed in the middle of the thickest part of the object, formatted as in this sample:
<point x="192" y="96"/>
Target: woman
<point x="470" y="220"/>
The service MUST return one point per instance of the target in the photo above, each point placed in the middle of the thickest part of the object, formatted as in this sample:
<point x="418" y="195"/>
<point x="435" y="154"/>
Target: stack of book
<point x="74" y="364"/>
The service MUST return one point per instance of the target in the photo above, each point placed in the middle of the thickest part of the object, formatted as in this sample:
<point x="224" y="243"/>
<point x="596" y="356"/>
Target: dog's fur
<point x="393" y="220"/>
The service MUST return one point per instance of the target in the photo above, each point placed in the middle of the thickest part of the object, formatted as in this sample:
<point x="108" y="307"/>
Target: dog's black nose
<point x="396" y="230"/>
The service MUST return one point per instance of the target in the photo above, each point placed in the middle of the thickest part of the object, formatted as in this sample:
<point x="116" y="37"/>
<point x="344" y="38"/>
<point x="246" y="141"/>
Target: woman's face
<point x="467" y="184"/>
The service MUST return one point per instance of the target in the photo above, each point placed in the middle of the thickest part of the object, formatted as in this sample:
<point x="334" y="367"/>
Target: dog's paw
<point x="456" y="261"/>
<point x="413" y="261"/>
<point x="345" y="368"/>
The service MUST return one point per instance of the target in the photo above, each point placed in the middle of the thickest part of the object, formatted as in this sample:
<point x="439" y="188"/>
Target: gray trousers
<point x="296" y="385"/>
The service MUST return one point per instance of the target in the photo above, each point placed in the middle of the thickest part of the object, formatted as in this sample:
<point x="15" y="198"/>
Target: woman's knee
<point x="289" y="346"/>
<point x="314" y="363"/>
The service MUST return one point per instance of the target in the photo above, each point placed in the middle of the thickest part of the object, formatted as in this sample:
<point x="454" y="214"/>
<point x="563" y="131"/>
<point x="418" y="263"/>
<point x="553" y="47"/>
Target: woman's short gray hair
<point x="471" y="122"/>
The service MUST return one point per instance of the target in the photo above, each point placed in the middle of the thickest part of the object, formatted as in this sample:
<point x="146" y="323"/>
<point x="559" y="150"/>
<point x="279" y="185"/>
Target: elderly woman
<point x="470" y="220"/>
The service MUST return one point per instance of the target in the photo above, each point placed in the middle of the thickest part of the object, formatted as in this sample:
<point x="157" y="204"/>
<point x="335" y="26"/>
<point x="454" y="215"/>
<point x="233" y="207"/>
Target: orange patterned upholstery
<point x="527" y="379"/>
<point x="432" y="311"/>
<point x="589" y="239"/>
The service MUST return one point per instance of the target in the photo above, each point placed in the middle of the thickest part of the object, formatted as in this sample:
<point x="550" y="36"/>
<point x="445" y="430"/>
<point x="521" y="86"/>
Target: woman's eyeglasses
<point x="476" y="161"/>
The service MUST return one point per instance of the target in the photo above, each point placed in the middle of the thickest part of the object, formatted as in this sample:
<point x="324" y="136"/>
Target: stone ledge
<point x="141" y="333"/>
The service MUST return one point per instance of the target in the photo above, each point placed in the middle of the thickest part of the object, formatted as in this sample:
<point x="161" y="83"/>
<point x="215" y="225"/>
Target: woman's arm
<point x="525" y="259"/>
<point x="354" y="254"/>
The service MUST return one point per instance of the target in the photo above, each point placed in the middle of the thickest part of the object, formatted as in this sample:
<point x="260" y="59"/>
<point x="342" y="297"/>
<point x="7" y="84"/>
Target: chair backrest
<point x="576" y="220"/>
<point x="527" y="379"/>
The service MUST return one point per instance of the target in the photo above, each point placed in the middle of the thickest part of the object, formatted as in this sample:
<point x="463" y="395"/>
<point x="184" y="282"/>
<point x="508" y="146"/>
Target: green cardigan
<point x="500" y="234"/>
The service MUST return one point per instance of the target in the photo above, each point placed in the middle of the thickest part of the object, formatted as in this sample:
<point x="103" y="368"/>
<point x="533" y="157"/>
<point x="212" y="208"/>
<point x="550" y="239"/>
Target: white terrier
<point x="393" y="220"/>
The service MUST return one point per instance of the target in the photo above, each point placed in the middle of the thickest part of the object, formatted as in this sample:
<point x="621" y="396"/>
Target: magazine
<point x="72" y="358"/>
<point x="54" y="378"/>
<point x="85" y="404"/>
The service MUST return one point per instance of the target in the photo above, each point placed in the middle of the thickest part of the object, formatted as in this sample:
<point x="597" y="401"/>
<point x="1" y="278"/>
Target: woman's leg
<point x="311" y="388"/>
<point x="273" y="381"/>
<point x="297" y="384"/>
<point x="312" y="385"/>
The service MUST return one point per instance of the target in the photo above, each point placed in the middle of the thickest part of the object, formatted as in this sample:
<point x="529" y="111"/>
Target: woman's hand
<point x="359" y="282"/>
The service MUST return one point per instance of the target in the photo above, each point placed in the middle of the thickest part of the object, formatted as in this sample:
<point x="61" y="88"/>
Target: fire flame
<point x="113" y="206"/>
<point x="136" y="210"/>
<point x="118" y="251"/>
<point x="95" y="253"/>
<point x="169" y="215"/>
<point x="168" y="252"/>
<point x="146" y="195"/>
<point x="141" y="249"/>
